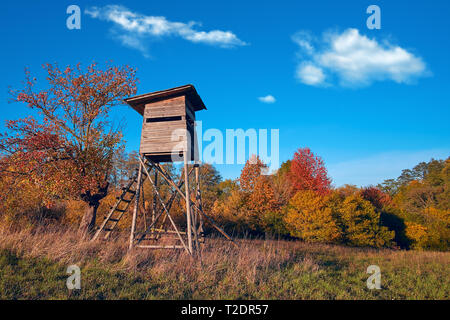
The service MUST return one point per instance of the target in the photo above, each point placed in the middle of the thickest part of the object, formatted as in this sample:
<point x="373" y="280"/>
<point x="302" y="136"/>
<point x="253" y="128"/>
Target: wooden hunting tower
<point x="168" y="122"/>
<point x="168" y="135"/>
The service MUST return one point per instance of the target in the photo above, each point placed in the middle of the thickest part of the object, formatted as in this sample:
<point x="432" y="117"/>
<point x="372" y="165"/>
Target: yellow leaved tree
<point x="309" y="218"/>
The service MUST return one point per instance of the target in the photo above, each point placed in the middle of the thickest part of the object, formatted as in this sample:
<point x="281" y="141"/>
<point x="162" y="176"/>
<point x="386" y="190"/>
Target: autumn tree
<point x="282" y="184"/>
<point x="308" y="172"/>
<point x="125" y="165"/>
<point x="209" y="185"/>
<point x="226" y="187"/>
<point x="231" y="212"/>
<point x="418" y="234"/>
<point x="361" y="225"/>
<point x="263" y="204"/>
<point x="68" y="150"/>
<point x="20" y="202"/>
<point x="428" y="172"/>
<point x="259" y="193"/>
<point x="245" y="207"/>
<point x="311" y="219"/>
<point x="252" y="170"/>
<point x="209" y="179"/>
<point x="444" y="197"/>
<point x="376" y="197"/>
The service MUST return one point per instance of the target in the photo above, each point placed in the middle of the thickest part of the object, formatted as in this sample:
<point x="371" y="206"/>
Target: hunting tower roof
<point x="138" y="102"/>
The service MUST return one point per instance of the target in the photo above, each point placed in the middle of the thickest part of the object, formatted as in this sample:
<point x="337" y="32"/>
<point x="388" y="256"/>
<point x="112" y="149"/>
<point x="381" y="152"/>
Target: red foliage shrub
<point x="375" y="196"/>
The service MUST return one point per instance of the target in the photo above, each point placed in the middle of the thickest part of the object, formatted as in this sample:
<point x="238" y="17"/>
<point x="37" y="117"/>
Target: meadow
<point x="33" y="265"/>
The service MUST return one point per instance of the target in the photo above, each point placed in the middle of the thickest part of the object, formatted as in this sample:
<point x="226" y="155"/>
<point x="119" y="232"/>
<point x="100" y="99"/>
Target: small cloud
<point x="354" y="59"/>
<point x="309" y="74"/>
<point x="133" y="42"/>
<point x="303" y="39"/>
<point x="267" y="99"/>
<point x="134" y="28"/>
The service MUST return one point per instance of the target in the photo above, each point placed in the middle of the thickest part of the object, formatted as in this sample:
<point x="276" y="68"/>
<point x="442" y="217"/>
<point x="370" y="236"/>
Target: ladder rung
<point x="113" y="220"/>
<point x="166" y="238"/>
<point x="120" y="210"/>
<point x="107" y="229"/>
<point x="160" y="246"/>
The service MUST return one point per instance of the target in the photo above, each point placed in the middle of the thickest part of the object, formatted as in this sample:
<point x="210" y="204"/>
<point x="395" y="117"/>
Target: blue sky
<point x="369" y="102"/>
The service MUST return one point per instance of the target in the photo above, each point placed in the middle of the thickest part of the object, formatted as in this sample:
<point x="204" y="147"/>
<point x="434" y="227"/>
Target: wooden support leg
<point x="136" y="207"/>
<point x="144" y="207"/>
<point x="188" y="203"/>
<point x="154" y="199"/>
<point x="198" y="199"/>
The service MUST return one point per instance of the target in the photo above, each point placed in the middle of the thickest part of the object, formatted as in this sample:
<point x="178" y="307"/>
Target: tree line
<point x="410" y="212"/>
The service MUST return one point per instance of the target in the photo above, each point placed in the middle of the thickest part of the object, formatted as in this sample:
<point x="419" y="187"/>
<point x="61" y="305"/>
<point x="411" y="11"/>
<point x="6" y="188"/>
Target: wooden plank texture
<point x="167" y="135"/>
<point x="171" y="107"/>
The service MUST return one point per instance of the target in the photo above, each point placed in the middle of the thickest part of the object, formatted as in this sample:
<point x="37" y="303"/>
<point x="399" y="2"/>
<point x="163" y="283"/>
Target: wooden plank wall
<point x="157" y="136"/>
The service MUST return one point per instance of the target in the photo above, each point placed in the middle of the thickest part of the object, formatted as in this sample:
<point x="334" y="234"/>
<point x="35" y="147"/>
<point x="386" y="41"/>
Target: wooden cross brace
<point x="198" y="208"/>
<point x="194" y="222"/>
<point x="168" y="205"/>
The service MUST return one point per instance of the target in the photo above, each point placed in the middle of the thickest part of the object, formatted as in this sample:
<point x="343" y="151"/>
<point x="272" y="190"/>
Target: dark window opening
<point x="163" y="119"/>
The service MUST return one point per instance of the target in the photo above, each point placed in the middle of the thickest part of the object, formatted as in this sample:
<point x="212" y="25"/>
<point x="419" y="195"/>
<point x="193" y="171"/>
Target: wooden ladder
<point x="118" y="210"/>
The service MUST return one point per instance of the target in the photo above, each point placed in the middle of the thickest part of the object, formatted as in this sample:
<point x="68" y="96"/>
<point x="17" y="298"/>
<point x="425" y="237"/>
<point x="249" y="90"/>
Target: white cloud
<point x="267" y="99"/>
<point x="135" y="27"/>
<point x="304" y="39"/>
<point x="379" y="167"/>
<point x="308" y="73"/>
<point x="354" y="59"/>
<point x="133" y="42"/>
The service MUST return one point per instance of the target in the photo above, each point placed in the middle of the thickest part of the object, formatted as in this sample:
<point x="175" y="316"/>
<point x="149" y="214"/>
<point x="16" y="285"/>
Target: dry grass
<point x="258" y="269"/>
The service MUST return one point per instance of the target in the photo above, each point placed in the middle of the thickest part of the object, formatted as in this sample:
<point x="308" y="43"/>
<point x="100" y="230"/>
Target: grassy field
<point x="33" y="266"/>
